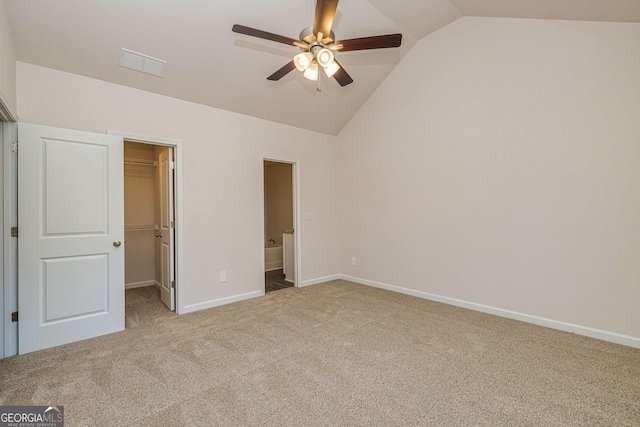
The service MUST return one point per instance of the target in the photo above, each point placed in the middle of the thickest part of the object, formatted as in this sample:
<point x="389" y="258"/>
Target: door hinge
<point x="173" y="284"/>
<point x="173" y="224"/>
<point x="172" y="165"/>
<point x="14" y="316"/>
<point x="14" y="231"/>
<point x="14" y="147"/>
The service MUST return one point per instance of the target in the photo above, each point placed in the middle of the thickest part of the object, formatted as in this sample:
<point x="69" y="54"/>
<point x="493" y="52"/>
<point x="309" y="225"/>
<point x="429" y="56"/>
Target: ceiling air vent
<point x="139" y="62"/>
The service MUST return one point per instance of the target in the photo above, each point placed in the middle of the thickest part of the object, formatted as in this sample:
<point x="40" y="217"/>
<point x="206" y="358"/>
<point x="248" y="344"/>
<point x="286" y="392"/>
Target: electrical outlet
<point x="223" y="276"/>
<point x="353" y="260"/>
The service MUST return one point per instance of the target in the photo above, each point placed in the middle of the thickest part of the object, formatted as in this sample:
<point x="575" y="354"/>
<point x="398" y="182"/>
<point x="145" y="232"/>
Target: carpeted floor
<point x="143" y="306"/>
<point x="333" y="354"/>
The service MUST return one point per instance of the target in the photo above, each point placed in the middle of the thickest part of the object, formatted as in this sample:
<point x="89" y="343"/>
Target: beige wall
<point x="222" y="158"/>
<point x="278" y="200"/>
<point x="498" y="164"/>
<point x="139" y="212"/>
<point x="7" y="64"/>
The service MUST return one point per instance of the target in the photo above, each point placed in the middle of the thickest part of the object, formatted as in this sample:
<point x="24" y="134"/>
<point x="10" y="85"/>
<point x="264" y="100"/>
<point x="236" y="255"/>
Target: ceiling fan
<point x="318" y="44"/>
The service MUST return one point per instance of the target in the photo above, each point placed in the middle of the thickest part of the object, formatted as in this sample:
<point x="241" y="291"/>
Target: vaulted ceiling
<point x="211" y="65"/>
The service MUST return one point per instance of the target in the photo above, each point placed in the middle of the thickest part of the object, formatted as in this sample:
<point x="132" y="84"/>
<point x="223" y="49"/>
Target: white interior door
<point x="71" y="223"/>
<point x="166" y="231"/>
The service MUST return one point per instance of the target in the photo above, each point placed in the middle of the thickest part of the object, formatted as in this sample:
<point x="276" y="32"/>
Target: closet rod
<point x="140" y="162"/>
<point x="139" y="227"/>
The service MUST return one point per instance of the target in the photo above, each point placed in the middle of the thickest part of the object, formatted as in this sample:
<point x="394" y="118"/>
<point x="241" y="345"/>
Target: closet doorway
<point x="279" y="225"/>
<point x="149" y="215"/>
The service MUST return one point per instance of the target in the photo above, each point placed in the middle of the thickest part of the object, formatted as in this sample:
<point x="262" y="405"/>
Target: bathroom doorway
<point x="150" y="256"/>
<point x="279" y="225"/>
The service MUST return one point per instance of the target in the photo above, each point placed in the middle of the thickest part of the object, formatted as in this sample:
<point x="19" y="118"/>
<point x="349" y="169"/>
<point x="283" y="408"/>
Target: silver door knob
<point x="158" y="234"/>
<point x="117" y="243"/>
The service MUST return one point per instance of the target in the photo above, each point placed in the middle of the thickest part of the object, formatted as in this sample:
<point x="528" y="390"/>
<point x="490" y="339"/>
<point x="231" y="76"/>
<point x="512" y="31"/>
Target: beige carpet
<point x="334" y="354"/>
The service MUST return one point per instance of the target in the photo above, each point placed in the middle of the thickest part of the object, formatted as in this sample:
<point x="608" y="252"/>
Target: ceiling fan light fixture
<point x="311" y="72"/>
<point x="324" y="57"/>
<point x="303" y="60"/>
<point x="318" y="43"/>
<point x="331" y="69"/>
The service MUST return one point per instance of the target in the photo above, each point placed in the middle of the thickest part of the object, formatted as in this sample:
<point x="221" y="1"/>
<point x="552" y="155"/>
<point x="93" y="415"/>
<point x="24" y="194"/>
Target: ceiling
<point x="210" y="65"/>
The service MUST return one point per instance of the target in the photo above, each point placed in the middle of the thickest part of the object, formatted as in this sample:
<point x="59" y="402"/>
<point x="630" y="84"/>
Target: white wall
<point x="222" y="173"/>
<point x="498" y="165"/>
<point x="495" y="165"/>
<point x="7" y="64"/>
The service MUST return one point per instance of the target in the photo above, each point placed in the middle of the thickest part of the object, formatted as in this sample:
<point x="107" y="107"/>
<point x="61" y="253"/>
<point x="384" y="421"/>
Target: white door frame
<point x="5" y="287"/>
<point x="178" y="198"/>
<point x="8" y="219"/>
<point x="295" y="164"/>
<point x="9" y="245"/>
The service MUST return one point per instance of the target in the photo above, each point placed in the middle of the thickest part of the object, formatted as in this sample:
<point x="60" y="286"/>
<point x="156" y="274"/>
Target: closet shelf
<point x="143" y="227"/>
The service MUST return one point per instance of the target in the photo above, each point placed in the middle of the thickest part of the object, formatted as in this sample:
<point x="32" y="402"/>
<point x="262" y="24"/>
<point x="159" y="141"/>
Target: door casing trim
<point x="9" y="250"/>
<point x="297" y="223"/>
<point x="177" y="201"/>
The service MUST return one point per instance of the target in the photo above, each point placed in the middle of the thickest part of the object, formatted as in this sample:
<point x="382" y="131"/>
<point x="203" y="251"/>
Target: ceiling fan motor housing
<point x="308" y="36"/>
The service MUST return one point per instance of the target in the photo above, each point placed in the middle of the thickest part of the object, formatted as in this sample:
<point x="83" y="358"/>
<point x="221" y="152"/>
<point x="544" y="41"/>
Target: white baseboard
<point x="144" y="284"/>
<point x="221" y="301"/>
<point x="319" y="280"/>
<point x="541" y="321"/>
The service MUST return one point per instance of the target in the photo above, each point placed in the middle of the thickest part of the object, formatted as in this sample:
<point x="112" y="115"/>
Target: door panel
<point x="87" y="294"/>
<point x="165" y="169"/>
<point x="70" y="213"/>
<point x="63" y="189"/>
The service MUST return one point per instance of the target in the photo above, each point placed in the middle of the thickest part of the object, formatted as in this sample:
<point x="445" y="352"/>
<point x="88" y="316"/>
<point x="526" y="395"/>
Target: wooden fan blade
<point x="374" y="42"/>
<point x="282" y="72"/>
<point x="341" y="76"/>
<point x="241" y="29"/>
<point x="323" y="18"/>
